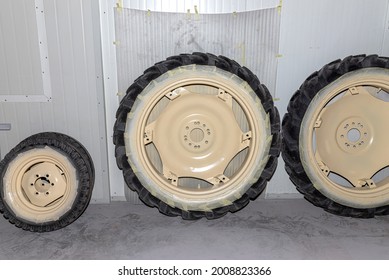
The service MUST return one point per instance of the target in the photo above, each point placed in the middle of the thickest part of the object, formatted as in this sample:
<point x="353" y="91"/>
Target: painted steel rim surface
<point x="181" y="145"/>
<point x="350" y="104"/>
<point x="40" y="185"/>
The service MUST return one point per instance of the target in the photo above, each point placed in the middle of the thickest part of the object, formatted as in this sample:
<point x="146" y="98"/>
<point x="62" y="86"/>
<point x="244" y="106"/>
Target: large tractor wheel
<point x="46" y="182"/>
<point x="197" y="135"/>
<point x="335" y="137"/>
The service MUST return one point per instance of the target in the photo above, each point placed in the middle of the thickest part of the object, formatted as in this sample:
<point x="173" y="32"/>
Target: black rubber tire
<point x="78" y="157"/>
<point x="291" y="125"/>
<point x="157" y="70"/>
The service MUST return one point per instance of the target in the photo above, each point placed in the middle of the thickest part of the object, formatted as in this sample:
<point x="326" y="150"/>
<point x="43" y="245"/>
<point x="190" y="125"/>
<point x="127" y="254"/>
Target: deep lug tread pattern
<point x="223" y="63"/>
<point x="81" y="160"/>
<point x="291" y="124"/>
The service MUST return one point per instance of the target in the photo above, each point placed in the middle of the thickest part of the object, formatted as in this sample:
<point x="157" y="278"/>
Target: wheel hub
<point x="197" y="134"/>
<point x="353" y="135"/>
<point x="43" y="184"/>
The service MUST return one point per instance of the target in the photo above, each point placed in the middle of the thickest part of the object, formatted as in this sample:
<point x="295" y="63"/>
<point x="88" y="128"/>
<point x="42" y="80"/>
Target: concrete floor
<point x="266" y="229"/>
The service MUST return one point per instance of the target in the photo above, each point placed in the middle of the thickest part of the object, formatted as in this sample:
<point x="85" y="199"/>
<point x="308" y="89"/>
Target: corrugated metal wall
<point x="199" y="6"/>
<point x="250" y="38"/>
<point x="74" y="54"/>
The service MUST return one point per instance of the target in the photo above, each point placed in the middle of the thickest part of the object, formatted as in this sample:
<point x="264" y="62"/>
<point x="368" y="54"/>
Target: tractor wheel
<point x="197" y="135"/>
<point x="47" y="182"/>
<point x="335" y="137"/>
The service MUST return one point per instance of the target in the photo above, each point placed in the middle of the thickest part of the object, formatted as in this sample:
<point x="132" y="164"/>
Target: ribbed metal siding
<point x="200" y="6"/>
<point x="143" y="38"/>
<point x="77" y="107"/>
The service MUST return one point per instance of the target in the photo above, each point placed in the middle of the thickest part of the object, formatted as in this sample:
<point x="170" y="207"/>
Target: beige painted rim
<point x="197" y="134"/>
<point x="345" y="132"/>
<point x="40" y="185"/>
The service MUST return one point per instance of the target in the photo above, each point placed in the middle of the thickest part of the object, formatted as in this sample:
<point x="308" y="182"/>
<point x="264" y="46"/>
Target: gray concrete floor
<point x="266" y="229"/>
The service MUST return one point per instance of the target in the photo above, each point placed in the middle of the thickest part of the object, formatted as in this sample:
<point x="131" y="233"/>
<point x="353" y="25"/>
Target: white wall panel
<point x="24" y="70"/>
<point x="385" y="41"/>
<point x="77" y="107"/>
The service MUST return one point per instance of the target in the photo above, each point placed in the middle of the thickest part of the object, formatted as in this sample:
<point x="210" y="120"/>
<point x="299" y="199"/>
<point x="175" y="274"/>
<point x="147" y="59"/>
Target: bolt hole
<point x="52" y="184"/>
<point x="32" y="184"/>
<point x="47" y="193"/>
<point x="47" y="176"/>
<point x="37" y="193"/>
<point x="37" y="175"/>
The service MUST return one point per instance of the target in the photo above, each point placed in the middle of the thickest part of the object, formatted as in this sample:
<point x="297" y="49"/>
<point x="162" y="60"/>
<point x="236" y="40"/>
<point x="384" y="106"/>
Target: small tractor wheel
<point x="47" y="182"/>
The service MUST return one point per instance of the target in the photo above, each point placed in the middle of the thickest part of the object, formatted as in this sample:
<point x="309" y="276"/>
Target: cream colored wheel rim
<point x="197" y="138"/>
<point x="40" y="185"/>
<point x="344" y="137"/>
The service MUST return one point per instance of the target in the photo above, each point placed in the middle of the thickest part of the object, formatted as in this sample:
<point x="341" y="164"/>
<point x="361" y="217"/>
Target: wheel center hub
<point x="353" y="135"/>
<point x="42" y="185"/>
<point x="197" y="135"/>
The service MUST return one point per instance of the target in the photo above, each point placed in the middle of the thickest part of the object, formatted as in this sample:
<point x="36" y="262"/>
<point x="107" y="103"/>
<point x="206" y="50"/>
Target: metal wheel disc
<point x="345" y="133"/>
<point x="40" y="185"/>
